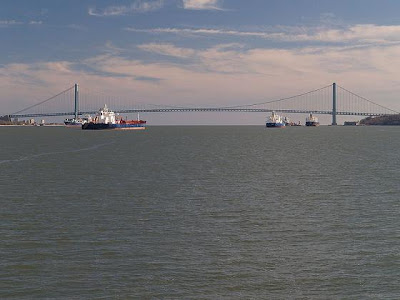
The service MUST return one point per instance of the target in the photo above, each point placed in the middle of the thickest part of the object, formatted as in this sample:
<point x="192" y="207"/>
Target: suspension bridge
<point x="331" y="100"/>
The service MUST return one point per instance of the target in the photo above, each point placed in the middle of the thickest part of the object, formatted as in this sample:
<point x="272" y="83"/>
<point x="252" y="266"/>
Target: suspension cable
<point x="365" y="99"/>
<point x="276" y="100"/>
<point x="44" y="101"/>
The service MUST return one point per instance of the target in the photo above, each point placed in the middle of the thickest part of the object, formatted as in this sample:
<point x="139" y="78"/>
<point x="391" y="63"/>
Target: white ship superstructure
<point x="312" y="121"/>
<point x="275" y="120"/>
<point x="105" y="116"/>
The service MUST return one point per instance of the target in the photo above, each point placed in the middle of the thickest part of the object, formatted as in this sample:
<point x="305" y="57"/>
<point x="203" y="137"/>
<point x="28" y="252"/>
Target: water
<point x="200" y="213"/>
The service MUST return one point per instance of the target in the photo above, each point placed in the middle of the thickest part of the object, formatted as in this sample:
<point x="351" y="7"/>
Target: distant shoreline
<point x="392" y="120"/>
<point x="46" y="125"/>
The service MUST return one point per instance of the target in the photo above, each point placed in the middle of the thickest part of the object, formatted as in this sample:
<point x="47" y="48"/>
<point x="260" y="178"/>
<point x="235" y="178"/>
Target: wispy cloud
<point x="110" y="48"/>
<point x="8" y="23"/>
<point x="201" y="31"/>
<point x="221" y="58"/>
<point x="168" y="50"/>
<point x="203" y="4"/>
<point x="365" y="33"/>
<point x="36" y="22"/>
<point x="139" y="6"/>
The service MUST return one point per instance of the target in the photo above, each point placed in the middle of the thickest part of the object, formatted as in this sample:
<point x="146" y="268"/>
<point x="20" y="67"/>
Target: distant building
<point x="5" y="118"/>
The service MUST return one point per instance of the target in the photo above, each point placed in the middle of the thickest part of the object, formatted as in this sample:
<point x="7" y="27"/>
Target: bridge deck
<point x="200" y="109"/>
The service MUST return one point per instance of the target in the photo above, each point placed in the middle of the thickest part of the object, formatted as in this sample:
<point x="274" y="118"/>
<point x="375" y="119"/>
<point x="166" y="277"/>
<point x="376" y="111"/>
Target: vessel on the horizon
<point x="312" y="121"/>
<point x="351" y="123"/>
<point x="275" y="120"/>
<point x="288" y="122"/>
<point x="106" y="119"/>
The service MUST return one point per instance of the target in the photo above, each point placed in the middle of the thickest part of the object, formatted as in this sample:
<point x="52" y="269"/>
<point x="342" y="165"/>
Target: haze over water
<point x="222" y="212"/>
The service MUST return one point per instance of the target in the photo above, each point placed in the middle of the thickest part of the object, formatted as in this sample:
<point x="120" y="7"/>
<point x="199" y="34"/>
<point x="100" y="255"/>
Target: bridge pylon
<point x="334" y="104"/>
<point x="76" y="108"/>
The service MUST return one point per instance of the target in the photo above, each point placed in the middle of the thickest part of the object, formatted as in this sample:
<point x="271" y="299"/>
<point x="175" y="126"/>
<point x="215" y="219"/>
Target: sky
<point x="198" y="52"/>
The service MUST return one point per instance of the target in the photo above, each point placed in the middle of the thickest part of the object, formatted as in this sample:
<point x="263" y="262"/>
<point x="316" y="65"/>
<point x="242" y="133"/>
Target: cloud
<point x="109" y="47"/>
<point x="201" y="31"/>
<point x="202" y="4"/>
<point x="362" y="33"/>
<point x="218" y="59"/>
<point x="221" y="75"/>
<point x="168" y="50"/>
<point x="232" y="65"/>
<point x="139" y="6"/>
<point x="142" y="6"/>
<point x="8" y="23"/>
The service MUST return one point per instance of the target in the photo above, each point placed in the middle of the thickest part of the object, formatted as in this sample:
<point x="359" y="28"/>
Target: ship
<point x="312" y="121"/>
<point x="76" y="123"/>
<point x="351" y="123"/>
<point x="275" y="121"/>
<point x="288" y="122"/>
<point x="106" y="119"/>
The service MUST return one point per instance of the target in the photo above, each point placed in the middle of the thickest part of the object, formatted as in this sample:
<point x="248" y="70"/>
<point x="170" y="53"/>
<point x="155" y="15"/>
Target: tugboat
<point x="106" y="119"/>
<point x="312" y="121"/>
<point x="275" y="121"/>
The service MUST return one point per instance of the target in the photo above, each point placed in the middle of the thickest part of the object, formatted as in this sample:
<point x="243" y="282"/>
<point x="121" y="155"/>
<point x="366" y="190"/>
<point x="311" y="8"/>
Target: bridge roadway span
<point x="199" y="109"/>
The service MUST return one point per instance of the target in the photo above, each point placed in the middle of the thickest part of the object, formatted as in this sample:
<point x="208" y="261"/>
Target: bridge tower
<point x="76" y="109"/>
<point x="334" y="104"/>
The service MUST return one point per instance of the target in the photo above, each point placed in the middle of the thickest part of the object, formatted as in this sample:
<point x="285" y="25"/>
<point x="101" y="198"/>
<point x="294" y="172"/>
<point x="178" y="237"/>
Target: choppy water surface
<point x="200" y="213"/>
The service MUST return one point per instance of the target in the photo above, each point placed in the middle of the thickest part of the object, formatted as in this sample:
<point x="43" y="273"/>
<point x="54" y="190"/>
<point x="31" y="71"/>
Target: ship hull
<point x="102" y="126"/>
<point x="69" y="123"/>
<point x="312" y="124"/>
<point x="73" y="124"/>
<point x="275" y="125"/>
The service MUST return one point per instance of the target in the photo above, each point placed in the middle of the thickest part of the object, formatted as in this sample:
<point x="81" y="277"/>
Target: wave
<point x="24" y="158"/>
